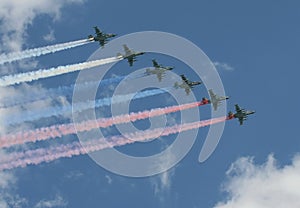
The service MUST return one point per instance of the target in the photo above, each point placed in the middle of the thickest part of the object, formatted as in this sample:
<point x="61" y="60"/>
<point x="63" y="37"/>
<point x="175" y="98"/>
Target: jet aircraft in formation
<point x="186" y="84"/>
<point x="215" y="100"/>
<point x="241" y="114"/>
<point x="130" y="55"/>
<point x="101" y="37"/>
<point x="159" y="70"/>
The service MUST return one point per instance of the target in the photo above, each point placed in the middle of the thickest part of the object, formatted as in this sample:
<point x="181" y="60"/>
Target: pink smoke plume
<point x="57" y="131"/>
<point x="37" y="156"/>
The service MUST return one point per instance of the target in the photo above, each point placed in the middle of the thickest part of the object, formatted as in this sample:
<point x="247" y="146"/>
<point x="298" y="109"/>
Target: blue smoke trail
<point x="79" y="107"/>
<point x="55" y="92"/>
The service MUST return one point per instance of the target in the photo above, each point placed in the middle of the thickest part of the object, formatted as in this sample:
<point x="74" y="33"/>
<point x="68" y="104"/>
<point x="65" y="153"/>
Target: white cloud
<point x="74" y="175"/>
<point x="50" y="36"/>
<point x="109" y="179"/>
<point x="6" y="179"/>
<point x="13" y="200"/>
<point x="223" y="66"/>
<point x="20" y="111"/>
<point x="8" y="197"/>
<point x="16" y="16"/>
<point x="163" y="181"/>
<point x="262" y="186"/>
<point x="58" y="201"/>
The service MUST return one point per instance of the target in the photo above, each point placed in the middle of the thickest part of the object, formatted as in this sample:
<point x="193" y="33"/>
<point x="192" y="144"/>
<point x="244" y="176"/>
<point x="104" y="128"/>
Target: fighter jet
<point x="101" y="37"/>
<point x="186" y="84"/>
<point x="241" y="114"/>
<point x="130" y="55"/>
<point x="159" y="70"/>
<point x="215" y="100"/>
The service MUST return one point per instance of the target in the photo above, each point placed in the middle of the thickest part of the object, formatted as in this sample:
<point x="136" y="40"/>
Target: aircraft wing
<point x="159" y="76"/>
<point x="184" y="79"/>
<point x="126" y="49"/>
<point x="98" y="32"/>
<point x="214" y="100"/>
<point x="237" y="108"/>
<point x="241" y="120"/>
<point x="130" y="61"/>
<point x="212" y="94"/>
<point x="187" y="90"/>
<point x="215" y="105"/>
<point x="102" y="42"/>
<point x="155" y="64"/>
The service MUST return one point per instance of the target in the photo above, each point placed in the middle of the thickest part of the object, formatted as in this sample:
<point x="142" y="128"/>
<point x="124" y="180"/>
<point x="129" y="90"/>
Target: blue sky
<point x="259" y="40"/>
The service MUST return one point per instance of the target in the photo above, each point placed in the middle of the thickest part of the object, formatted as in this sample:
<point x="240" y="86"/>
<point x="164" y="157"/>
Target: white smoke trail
<point x="44" y="73"/>
<point x="35" y="52"/>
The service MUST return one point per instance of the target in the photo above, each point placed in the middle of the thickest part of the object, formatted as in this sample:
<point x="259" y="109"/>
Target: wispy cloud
<point x="223" y="66"/>
<point x="58" y="201"/>
<point x="8" y="195"/>
<point x="162" y="183"/>
<point x="109" y="179"/>
<point x="17" y="15"/>
<point x="262" y="186"/>
<point x="50" y="36"/>
<point x="7" y="179"/>
<point x="12" y="200"/>
<point x="75" y="174"/>
<point x="15" y="18"/>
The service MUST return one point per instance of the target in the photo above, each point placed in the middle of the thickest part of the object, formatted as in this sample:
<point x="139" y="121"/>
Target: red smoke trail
<point x="66" y="129"/>
<point x="34" y="157"/>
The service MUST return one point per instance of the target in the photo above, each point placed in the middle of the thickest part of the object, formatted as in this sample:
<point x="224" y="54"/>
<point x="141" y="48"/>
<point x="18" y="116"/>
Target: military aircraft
<point x="130" y="55"/>
<point x="186" y="84"/>
<point x="215" y="100"/>
<point x="101" y="37"/>
<point x="241" y="114"/>
<point x="159" y="70"/>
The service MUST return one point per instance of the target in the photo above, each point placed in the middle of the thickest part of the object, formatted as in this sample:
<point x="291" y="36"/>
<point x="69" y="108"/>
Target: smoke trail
<point x="10" y="57"/>
<point x="37" y="156"/>
<point x="66" y="129"/>
<point x="78" y="107"/>
<point x="44" y="73"/>
<point x="55" y="92"/>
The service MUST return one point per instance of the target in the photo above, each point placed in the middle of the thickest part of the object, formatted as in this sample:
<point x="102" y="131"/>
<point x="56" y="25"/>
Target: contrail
<point x="35" y="52"/>
<point x="37" y="156"/>
<point x="78" y="107"/>
<point x="58" y="131"/>
<point x="44" y="73"/>
<point x="55" y="92"/>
